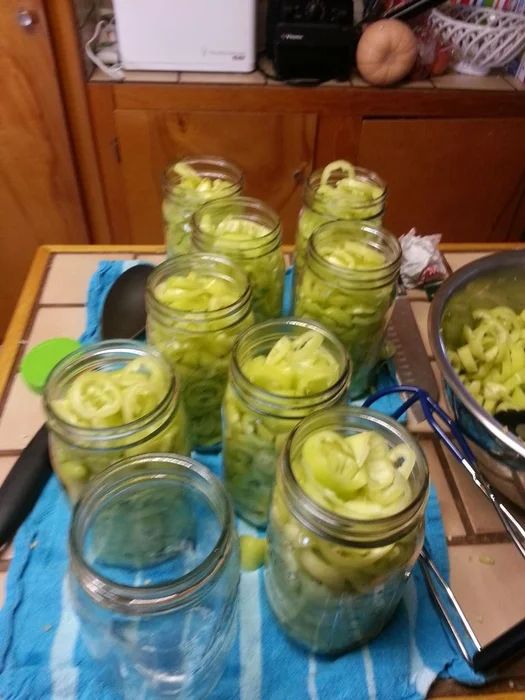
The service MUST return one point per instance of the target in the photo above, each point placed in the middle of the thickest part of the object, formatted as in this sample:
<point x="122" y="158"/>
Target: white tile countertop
<point x="484" y="567"/>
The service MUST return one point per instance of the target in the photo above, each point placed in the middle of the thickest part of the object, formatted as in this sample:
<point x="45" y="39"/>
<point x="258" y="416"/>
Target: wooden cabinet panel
<point x="464" y="178"/>
<point x="275" y="151"/>
<point x="337" y="137"/>
<point x="39" y="198"/>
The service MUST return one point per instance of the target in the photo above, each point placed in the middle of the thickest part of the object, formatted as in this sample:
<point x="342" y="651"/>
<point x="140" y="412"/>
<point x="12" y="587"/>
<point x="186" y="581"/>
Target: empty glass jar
<point x="248" y="231"/>
<point x="334" y="580"/>
<point x="187" y="184"/>
<point x="108" y="401"/>
<point x="154" y="575"/>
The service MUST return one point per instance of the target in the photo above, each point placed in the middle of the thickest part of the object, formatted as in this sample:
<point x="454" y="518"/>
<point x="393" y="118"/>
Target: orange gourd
<point x="386" y="52"/>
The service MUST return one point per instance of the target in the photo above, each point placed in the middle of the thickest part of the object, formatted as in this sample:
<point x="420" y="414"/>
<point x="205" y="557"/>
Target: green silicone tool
<point x="42" y="358"/>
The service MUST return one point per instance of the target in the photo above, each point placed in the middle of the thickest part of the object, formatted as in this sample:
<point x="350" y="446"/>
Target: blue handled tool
<point x="512" y="641"/>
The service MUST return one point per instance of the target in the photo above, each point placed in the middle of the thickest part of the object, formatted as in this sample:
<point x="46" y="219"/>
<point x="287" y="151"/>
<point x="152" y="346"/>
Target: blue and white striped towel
<point x="43" y="658"/>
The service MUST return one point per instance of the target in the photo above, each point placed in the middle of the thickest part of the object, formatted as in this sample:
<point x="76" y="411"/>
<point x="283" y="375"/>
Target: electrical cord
<point x="114" y="70"/>
<point x="295" y="82"/>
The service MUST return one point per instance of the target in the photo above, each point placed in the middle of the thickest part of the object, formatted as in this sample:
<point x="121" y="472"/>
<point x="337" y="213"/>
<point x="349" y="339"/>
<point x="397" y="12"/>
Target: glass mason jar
<point x="256" y="422"/>
<point x="154" y="575"/>
<point x="332" y="581"/>
<point x="248" y="231"/>
<point x="316" y="210"/>
<point x="198" y="344"/>
<point x="108" y="401"/>
<point x="181" y="202"/>
<point x="354" y="303"/>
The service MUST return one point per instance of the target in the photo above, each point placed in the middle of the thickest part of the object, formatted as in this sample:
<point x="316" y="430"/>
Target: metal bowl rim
<point x="467" y="273"/>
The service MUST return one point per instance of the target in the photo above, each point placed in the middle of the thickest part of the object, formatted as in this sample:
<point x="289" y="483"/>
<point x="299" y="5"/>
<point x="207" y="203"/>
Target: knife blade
<point x="410" y="359"/>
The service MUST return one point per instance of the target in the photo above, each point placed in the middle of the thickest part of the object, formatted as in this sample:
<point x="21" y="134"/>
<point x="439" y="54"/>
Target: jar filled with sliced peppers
<point x="338" y="191"/>
<point x="108" y="401"/>
<point x="248" y="231"/>
<point x="348" y="284"/>
<point x="346" y="527"/>
<point x="189" y="183"/>
<point x="196" y="306"/>
<point x="280" y="371"/>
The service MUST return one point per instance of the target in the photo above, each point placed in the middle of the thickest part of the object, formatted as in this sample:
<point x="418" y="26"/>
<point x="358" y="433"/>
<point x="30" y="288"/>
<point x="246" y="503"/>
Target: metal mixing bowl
<point x="497" y="279"/>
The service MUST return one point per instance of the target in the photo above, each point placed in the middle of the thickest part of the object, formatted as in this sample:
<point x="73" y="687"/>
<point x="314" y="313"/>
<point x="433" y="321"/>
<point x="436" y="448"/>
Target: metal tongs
<point x="512" y="641"/>
<point x="459" y="448"/>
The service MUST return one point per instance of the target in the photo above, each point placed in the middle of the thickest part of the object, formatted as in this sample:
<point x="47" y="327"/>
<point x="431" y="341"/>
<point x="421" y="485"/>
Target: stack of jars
<point x="154" y="554"/>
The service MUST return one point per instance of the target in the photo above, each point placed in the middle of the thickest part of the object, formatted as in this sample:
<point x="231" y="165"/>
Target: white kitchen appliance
<point x="186" y="35"/>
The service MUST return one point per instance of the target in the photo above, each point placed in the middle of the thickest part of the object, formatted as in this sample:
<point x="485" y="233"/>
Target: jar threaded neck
<point x="97" y="357"/>
<point x="333" y="233"/>
<point x="205" y="166"/>
<point x="205" y="264"/>
<point x="246" y="209"/>
<point x="337" y="528"/>
<point x="258" y="340"/>
<point x="150" y="471"/>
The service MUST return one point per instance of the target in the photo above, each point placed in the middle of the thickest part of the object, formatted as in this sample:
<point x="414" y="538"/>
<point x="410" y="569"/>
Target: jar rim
<point x="206" y="166"/>
<point x="182" y="590"/>
<point x="378" y="234"/>
<point x="183" y="263"/>
<point x="338" y="528"/>
<point x="120" y="349"/>
<point x="364" y="174"/>
<point x="264" y="401"/>
<point x="257" y="208"/>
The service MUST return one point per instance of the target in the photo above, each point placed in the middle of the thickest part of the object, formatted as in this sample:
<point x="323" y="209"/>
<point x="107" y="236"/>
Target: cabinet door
<point x="463" y="178"/>
<point x="39" y="197"/>
<point x="274" y="151"/>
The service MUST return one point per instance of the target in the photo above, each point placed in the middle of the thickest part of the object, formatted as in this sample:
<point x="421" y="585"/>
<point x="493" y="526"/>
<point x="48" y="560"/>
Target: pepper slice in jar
<point x="294" y="367"/>
<point x="359" y="476"/>
<point x="249" y="232"/>
<point x="328" y="595"/>
<point x="111" y="399"/>
<point x="190" y="189"/>
<point x="197" y="347"/>
<point x="348" y="285"/>
<point x="342" y="191"/>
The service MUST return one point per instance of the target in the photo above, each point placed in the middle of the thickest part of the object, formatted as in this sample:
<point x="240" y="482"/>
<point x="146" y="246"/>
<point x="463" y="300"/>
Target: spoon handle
<point x="23" y="485"/>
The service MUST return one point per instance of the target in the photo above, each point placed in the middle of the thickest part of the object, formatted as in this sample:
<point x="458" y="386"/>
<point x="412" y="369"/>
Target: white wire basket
<point x="481" y="38"/>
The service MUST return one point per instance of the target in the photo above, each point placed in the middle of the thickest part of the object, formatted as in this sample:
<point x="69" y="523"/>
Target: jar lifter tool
<point x="512" y="641"/>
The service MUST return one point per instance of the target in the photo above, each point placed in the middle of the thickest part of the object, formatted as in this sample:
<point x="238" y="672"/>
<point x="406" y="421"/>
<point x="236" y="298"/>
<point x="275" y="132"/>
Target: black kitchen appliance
<point x="311" y="39"/>
<point x="315" y="40"/>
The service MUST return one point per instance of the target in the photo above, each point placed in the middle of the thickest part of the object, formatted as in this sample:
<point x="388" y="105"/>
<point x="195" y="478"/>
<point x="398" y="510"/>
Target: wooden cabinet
<point x="463" y="178"/>
<point x="453" y="159"/>
<point x="274" y="151"/>
<point x="39" y="197"/>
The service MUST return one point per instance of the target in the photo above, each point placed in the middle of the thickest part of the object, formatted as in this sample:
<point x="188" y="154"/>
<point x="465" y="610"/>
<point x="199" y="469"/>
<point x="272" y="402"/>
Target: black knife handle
<point x="502" y="650"/>
<point x="23" y="485"/>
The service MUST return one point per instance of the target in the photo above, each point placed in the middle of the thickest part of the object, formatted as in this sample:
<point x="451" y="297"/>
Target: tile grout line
<point x="54" y="305"/>
<point x="454" y="490"/>
<point x="486" y="538"/>
<point x="27" y="332"/>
